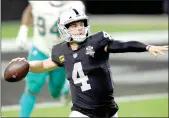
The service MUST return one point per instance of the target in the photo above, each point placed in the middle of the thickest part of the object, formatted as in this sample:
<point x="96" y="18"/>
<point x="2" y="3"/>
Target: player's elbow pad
<point x="130" y="46"/>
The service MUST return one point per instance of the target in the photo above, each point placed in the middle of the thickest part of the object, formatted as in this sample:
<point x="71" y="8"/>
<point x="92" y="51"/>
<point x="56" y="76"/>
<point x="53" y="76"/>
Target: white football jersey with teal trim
<point x="45" y="16"/>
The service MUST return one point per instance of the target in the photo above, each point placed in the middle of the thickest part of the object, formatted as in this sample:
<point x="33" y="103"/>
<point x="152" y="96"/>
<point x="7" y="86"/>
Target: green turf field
<point x="10" y="29"/>
<point x="142" y="108"/>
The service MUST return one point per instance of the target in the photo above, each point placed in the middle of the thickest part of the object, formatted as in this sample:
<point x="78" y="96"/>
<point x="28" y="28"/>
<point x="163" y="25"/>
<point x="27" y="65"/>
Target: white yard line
<point x="151" y="37"/>
<point x="141" y="97"/>
<point x="118" y="99"/>
<point x="147" y="77"/>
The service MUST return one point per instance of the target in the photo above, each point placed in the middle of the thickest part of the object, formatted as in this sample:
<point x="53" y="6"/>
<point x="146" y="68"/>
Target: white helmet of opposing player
<point x="56" y="3"/>
<point x="69" y="16"/>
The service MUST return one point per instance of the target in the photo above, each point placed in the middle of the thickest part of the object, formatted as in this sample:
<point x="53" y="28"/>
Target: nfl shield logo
<point x="74" y="55"/>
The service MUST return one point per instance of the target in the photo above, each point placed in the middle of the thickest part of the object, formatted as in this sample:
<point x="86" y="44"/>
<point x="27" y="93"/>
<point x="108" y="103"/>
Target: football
<point x="16" y="71"/>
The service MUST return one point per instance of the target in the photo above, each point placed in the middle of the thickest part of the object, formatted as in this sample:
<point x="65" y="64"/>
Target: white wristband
<point x="23" y="30"/>
<point x="147" y="47"/>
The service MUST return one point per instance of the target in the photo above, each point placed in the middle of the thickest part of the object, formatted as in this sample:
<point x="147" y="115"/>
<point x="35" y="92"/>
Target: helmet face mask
<point x="66" y="19"/>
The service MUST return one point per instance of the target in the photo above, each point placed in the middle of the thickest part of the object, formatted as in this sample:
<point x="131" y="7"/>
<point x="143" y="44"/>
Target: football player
<point x="44" y="15"/>
<point x="85" y="58"/>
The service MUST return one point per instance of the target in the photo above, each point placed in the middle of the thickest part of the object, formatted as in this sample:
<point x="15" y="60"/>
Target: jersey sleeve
<point x="32" y="2"/>
<point x="106" y="38"/>
<point x="129" y="46"/>
<point x="101" y="39"/>
<point x="56" y="56"/>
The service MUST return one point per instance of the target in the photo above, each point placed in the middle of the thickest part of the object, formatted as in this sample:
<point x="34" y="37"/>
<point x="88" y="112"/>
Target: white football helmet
<point x="56" y="3"/>
<point x="69" y="16"/>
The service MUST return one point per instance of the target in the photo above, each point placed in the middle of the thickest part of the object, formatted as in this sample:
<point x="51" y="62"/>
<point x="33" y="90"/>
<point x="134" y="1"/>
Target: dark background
<point x="12" y="9"/>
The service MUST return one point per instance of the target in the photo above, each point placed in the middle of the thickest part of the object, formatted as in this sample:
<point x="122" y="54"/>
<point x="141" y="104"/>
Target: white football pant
<point x="78" y="114"/>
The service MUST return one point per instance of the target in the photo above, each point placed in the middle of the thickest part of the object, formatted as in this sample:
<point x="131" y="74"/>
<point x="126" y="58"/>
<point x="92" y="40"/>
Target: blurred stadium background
<point x="141" y="80"/>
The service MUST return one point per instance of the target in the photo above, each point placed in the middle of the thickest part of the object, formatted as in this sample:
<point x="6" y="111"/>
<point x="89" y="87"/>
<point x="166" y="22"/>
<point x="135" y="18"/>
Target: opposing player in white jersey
<point x="44" y="15"/>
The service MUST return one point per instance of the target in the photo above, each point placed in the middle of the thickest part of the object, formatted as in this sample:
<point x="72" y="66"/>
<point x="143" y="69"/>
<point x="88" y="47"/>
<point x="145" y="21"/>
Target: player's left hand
<point x="157" y="50"/>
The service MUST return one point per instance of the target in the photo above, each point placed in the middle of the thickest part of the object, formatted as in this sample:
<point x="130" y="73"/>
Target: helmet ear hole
<point x="85" y="23"/>
<point x="67" y="26"/>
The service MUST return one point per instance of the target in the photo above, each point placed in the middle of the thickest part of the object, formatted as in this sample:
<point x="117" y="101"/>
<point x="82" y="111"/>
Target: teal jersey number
<point x="54" y="29"/>
<point x="42" y="27"/>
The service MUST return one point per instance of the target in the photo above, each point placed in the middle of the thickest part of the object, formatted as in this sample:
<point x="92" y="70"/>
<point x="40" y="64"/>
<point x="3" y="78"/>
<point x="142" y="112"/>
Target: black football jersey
<point x="88" y="71"/>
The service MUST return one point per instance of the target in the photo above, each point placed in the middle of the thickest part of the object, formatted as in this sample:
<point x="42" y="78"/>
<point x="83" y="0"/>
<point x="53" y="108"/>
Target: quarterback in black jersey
<point x="85" y="58"/>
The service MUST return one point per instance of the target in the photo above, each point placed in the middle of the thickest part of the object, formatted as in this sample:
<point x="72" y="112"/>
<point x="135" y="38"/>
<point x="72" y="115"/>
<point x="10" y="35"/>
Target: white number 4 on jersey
<point x="77" y="69"/>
